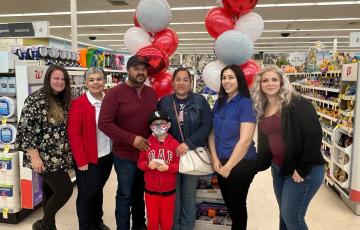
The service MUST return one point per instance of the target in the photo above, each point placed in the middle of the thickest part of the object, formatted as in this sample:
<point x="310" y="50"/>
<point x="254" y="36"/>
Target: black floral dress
<point x="36" y="131"/>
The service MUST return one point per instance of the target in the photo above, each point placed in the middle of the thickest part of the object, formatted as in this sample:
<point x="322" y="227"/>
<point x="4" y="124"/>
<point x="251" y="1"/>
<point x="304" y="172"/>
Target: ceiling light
<point x="81" y="43"/>
<point x="312" y="30"/>
<point x="309" y="4"/>
<point x="313" y="20"/>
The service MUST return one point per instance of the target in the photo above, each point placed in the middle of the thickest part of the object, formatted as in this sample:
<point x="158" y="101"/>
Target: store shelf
<point x="209" y="194"/>
<point x="327" y="131"/>
<point x="348" y="131"/>
<point x="348" y="98"/>
<point x="346" y="114"/>
<point x="328" y="180"/>
<point x="84" y="69"/>
<point x="202" y="225"/>
<point x="346" y="167"/>
<point x="327" y="117"/>
<point x="327" y="144"/>
<point x="326" y="158"/>
<point x="321" y="100"/>
<point x="333" y="90"/>
<point x="346" y="150"/>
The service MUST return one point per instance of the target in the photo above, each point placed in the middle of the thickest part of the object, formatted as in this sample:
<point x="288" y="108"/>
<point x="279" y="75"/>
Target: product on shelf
<point x="7" y="133"/>
<point x="208" y="182"/>
<point x="340" y="175"/>
<point x="7" y="107"/>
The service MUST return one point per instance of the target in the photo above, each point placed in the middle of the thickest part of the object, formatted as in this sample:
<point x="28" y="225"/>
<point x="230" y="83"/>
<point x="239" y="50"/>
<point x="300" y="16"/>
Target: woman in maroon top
<point x="289" y="139"/>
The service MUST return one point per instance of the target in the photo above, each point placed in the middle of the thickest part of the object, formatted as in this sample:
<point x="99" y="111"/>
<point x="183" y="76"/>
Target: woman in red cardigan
<point x="91" y="150"/>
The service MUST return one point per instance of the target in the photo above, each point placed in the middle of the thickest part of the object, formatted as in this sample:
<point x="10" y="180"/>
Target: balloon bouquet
<point x="235" y="28"/>
<point x="152" y="39"/>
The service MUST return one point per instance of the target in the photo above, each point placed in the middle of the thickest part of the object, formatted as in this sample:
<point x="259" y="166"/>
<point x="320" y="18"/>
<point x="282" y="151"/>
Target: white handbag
<point x="195" y="162"/>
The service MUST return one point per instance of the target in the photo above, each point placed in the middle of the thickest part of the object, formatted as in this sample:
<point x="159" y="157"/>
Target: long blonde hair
<point x="285" y="94"/>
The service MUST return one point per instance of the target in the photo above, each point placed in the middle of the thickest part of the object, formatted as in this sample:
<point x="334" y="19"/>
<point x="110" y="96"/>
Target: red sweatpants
<point x="160" y="211"/>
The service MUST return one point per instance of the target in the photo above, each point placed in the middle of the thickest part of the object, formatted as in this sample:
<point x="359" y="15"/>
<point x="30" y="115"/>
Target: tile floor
<point x="326" y="212"/>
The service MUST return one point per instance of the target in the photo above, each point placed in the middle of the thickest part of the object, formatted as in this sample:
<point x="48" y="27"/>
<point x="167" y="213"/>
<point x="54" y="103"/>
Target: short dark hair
<point x="181" y="69"/>
<point x="242" y="84"/>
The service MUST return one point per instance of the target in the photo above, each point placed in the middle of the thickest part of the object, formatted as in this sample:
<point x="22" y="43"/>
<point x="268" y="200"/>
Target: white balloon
<point x="147" y="82"/>
<point x="136" y="38"/>
<point x="211" y="74"/>
<point x="233" y="47"/>
<point x="251" y="24"/>
<point x="219" y="3"/>
<point x="153" y="15"/>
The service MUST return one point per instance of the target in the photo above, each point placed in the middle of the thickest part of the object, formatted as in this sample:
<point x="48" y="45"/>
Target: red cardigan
<point x="82" y="131"/>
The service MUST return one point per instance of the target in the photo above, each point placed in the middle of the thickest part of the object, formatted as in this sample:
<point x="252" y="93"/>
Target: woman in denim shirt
<point x="195" y="118"/>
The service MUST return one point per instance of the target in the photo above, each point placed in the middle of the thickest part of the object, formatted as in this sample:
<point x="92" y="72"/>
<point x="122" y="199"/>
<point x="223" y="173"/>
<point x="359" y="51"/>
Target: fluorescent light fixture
<point x="101" y="34"/>
<point x="196" y="39"/>
<point x="305" y="37"/>
<point x="337" y="3"/>
<point x="117" y="45"/>
<point x="81" y="43"/>
<point x="108" y="40"/>
<point x="267" y="43"/>
<point x="313" y="20"/>
<point x="312" y="30"/>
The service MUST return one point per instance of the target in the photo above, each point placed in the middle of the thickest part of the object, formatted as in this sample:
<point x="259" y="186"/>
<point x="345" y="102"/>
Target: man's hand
<point x="141" y="143"/>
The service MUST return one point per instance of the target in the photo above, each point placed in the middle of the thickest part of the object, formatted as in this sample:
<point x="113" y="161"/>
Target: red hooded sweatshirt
<point x="156" y="181"/>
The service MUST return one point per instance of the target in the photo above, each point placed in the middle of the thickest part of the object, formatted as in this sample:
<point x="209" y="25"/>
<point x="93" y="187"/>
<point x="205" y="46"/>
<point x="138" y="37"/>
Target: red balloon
<point x="136" y="22"/>
<point x="239" y="7"/>
<point x="166" y="40"/>
<point x="250" y="69"/>
<point x="163" y="84"/>
<point x="217" y="21"/>
<point x="157" y="59"/>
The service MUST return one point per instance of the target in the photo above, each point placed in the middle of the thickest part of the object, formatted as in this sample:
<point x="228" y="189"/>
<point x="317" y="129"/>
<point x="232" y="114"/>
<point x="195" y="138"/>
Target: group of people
<point x="144" y="138"/>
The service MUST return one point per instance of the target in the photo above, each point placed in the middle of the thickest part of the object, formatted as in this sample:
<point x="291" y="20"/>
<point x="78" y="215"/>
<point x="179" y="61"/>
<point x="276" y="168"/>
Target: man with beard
<point x="123" y="117"/>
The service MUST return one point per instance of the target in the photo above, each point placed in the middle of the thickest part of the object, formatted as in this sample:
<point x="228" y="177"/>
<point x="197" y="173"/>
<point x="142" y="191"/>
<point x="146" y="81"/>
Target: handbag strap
<point x="178" y="122"/>
<point x="198" y="154"/>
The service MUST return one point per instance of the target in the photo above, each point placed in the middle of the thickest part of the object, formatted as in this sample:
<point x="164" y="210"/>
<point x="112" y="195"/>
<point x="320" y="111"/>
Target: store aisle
<point x="326" y="212"/>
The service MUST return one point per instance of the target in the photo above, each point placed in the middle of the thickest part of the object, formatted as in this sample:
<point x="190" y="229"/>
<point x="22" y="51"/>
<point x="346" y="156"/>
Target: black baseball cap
<point x="158" y="115"/>
<point x="136" y="60"/>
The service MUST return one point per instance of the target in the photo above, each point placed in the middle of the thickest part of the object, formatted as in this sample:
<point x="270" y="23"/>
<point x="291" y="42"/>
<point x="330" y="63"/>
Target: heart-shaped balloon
<point x="163" y="84"/>
<point x="217" y="21"/>
<point x="250" y="69"/>
<point x="158" y="60"/>
<point x="166" y="40"/>
<point x="239" y="7"/>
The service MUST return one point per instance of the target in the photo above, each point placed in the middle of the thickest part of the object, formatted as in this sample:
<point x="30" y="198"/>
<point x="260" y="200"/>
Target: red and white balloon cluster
<point x="235" y="28"/>
<point x="152" y="39"/>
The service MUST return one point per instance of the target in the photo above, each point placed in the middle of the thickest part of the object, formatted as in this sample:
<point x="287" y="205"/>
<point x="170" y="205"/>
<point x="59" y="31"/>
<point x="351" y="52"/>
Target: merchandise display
<point x="334" y="95"/>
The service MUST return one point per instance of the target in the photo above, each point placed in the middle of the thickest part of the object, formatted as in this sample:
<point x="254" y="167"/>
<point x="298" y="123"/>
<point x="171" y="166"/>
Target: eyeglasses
<point x="159" y="124"/>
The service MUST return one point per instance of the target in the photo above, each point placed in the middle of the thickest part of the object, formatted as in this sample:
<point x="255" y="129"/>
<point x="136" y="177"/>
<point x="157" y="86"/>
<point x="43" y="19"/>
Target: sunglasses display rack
<point x="335" y="96"/>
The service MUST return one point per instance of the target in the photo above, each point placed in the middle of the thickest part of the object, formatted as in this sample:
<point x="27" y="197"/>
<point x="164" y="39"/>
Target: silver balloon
<point x="153" y="15"/>
<point x="250" y="24"/>
<point x="211" y="74"/>
<point x="233" y="47"/>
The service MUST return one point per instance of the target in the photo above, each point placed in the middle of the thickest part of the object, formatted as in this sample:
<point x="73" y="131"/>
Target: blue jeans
<point x="185" y="205"/>
<point x="294" y="198"/>
<point x="129" y="194"/>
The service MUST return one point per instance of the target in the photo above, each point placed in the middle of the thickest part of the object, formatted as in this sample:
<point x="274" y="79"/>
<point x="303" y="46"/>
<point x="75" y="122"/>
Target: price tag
<point x="6" y="148"/>
<point x="5" y="213"/>
<point x="4" y="121"/>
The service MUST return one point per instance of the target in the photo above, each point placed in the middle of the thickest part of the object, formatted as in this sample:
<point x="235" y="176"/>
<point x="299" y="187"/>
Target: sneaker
<point x="37" y="225"/>
<point x="139" y="227"/>
<point x="102" y="226"/>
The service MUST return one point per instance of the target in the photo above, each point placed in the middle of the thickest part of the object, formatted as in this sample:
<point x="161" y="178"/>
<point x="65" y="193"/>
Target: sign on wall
<point x="28" y="29"/>
<point x="355" y="39"/>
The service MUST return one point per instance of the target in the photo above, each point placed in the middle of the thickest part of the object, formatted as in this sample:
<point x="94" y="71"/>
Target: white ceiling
<point x="334" y="19"/>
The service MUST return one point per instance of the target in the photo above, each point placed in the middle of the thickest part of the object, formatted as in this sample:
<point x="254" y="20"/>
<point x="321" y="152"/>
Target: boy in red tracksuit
<point x="160" y="165"/>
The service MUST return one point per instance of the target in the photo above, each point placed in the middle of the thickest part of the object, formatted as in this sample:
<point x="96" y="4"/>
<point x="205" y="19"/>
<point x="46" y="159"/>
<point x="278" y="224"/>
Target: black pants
<point x="138" y="203"/>
<point x="90" y="185"/>
<point x="57" y="190"/>
<point x="234" y="190"/>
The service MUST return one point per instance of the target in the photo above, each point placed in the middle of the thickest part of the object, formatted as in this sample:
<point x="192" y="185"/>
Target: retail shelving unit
<point x="335" y="97"/>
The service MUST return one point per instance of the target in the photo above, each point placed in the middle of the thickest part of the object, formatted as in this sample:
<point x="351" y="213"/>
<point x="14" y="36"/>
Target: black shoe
<point x="102" y="226"/>
<point x="37" y="225"/>
<point x="139" y="227"/>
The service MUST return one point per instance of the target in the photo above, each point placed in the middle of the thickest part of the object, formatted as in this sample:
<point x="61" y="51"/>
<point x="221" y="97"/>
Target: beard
<point x="138" y="79"/>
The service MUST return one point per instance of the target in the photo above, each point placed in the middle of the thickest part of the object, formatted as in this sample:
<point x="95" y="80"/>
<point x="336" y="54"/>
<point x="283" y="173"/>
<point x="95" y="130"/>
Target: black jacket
<point x="198" y="119"/>
<point x="302" y="135"/>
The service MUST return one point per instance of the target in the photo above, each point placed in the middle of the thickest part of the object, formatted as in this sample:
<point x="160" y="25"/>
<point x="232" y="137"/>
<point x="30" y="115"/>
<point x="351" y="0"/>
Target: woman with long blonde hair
<point x="289" y="140"/>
